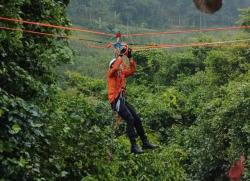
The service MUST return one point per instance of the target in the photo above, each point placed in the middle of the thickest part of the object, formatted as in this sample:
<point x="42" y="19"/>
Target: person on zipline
<point x="117" y="73"/>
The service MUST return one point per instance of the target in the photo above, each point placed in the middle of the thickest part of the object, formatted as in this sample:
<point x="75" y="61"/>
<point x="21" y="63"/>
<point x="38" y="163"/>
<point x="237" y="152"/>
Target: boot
<point x="135" y="149"/>
<point x="147" y="145"/>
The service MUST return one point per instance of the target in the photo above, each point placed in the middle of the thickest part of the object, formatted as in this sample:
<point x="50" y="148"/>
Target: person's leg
<point x="128" y="117"/>
<point x="137" y="122"/>
<point x="140" y="129"/>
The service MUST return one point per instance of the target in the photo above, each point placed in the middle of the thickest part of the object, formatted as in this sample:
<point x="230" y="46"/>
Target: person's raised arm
<point x="132" y="64"/>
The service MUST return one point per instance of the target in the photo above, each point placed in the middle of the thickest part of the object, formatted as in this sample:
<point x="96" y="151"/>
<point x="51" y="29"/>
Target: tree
<point x="245" y="17"/>
<point x="27" y="78"/>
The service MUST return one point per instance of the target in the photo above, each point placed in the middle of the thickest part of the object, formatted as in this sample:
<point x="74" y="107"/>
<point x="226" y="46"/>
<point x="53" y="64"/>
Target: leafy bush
<point x="21" y="138"/>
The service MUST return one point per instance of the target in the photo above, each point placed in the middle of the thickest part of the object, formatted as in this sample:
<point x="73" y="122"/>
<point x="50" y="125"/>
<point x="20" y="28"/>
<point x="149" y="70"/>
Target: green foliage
<point x="21" y="138"/>
<point x="27" y="80"/>
<point x="86" y="147"/>
<point x="164" y="164"/>
<point x="28" y="61"/>
<point x="225" y="65"/>
<point x="205" y="111"/>
<point x="87" y="85"/>
<point x="219" y="137"/>
<point x="157" y="67"/>
<point x="245" y="16"/>
<point x="79" y="138"/>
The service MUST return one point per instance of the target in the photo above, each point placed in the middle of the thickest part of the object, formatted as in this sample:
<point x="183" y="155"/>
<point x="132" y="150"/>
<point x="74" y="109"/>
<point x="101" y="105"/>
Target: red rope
<point x="136" y="48"/>
<point x="51" y="35"/>
<point x="56" y="26"/>
<point x="190" y="31"/>
<point x="199" y="44"/>
<point x="129" y="35"/>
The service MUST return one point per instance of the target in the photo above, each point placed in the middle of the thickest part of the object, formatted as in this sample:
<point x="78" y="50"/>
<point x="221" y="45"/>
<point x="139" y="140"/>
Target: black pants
<point x="134" y="124"/>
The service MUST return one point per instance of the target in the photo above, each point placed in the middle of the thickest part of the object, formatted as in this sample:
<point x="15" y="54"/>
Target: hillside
<point x="159" y="14"/>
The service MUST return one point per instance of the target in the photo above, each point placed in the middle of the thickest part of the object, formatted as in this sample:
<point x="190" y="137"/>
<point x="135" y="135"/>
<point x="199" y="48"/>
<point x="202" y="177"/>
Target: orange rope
<point x="56" y="26"/>
<point x="32" y="32"/>
<point x="136" y="48"/>
<point x="128" y="35"/>
<point x="190" y="31"/>
<point x="52" y="35"/>
<point x="167" y="46"/>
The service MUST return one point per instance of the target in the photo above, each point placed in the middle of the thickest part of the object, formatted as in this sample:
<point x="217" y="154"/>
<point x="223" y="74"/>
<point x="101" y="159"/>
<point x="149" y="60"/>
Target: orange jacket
<point x="117" y="77"/>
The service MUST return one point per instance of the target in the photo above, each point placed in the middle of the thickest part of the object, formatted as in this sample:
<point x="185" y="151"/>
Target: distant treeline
<point x="150" y="13"/>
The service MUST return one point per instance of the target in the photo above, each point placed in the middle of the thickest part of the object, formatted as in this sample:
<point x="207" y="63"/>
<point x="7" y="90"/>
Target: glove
<point x="129" y="53"/>
<point x="122" y="51"/>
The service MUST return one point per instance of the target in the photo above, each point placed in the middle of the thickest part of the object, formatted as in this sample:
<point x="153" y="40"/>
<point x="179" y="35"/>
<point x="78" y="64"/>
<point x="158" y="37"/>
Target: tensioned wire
<point x="106" y="45"/>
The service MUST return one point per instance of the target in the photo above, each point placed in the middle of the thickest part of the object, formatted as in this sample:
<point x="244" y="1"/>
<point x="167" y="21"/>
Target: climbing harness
<point x="121" y="98"/>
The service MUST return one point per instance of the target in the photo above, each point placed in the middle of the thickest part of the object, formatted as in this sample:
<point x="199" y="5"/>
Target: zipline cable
<point x="190" y="31"/>
<point x="187" y="31"/>
<point x="200" y="44"/>
<point x="56" y="26"/>
<point x="136" y="48"/>
<point x="52" y="35"/>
